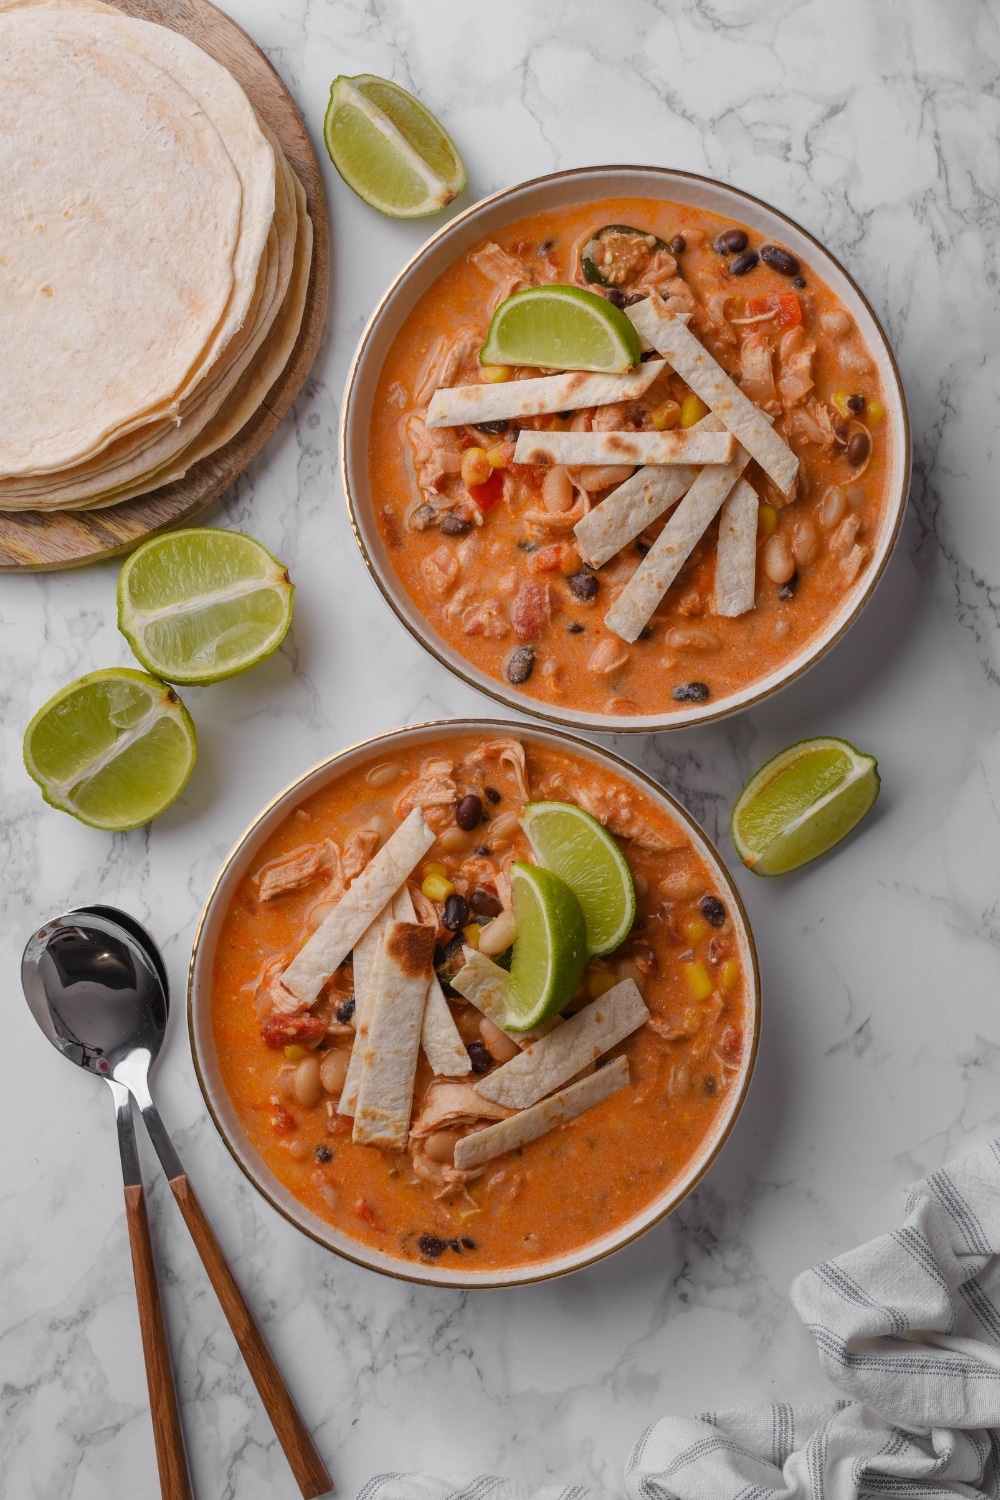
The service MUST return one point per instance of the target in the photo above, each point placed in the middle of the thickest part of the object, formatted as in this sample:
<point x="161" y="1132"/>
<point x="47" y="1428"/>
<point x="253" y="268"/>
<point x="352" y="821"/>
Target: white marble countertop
<point x="878" y="128"/>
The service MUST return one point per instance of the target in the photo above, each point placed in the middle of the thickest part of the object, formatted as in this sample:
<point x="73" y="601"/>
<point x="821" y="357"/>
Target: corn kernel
<point x="476" y="467"/>
<point x="839" y="399"/>
<point x="295" y="1052"/>
<point x="693" y="409"/>
<point x="730" y="976"/>
<point x="437" y="887"/>
<point x="434" y="868"/>
<point x="767" y="519"/>
<point x="874" y="411"/>
<point x="496" y="374"/>
<point x="696" y="930"/>
<point x="665" y="416"/>
<point x="500" y="456"/>
<point x="598" y="984"/>
<point x="471" y="934"/>
<point x="699" y="981"/>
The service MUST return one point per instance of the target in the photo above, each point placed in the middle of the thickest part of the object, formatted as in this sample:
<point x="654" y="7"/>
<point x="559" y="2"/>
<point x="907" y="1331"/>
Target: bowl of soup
<point x="573" y="563"/>
<point x="348" y="1027"/>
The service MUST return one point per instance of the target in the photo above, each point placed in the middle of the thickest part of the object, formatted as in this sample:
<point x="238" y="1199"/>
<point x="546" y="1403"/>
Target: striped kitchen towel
<point x="907" y="1326"/>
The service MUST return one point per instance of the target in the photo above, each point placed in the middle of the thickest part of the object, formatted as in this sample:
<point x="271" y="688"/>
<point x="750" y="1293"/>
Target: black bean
<point x="524" y="545"/>
<point x="480" y="1058"/>
<point x="492" y="795"/>
<point x="787" y="590"/>
<point x="584" y="585"/>
<point x="678" y="245"/>
<point x="469" y="1244"/>
<point x="741" y="264"/>
<point x="576" y="628"/>
<point x="731" y="242"/>
<point x="546" y="246"/>
<point x="709" y="1085"/>
<point x="493" y="427"/>
<point x="431" y="1246"/>
<point x="564" y="416"/>
<point x="346" y="1010"/>
<point x="453" y="525"/>
<point x="615" y="297"/>
<point x="692" y="692"/>
<point x="636" y="297"/>
<point x="424" y="517"/>
<point x="520" y="664"/>
<point x="779" y="260"/>
<point x="469" y="812"/>
<point x="858" y="449"/>
<point x="712" y="910"/>
<point x="456" y="912"/>
<point x="799" y="281"/>
<point x="482" y="850"/>
<point x="323" y="1153"/>
<point x="455" y="1245"/>
<point x="855" y="404"/>
<point x="484" y="903"/>
<point x="642" y="548"/>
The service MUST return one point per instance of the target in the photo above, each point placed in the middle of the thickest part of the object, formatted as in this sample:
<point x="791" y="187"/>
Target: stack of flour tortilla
<point x="156" y="256"/>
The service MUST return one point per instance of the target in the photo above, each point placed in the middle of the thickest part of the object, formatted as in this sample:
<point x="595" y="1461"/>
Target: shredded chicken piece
<point x="546" y="523"/>
<point x="296" y="870"/>
<point x="660" y="269"/>
<point x="508" y="753"/>
<point x="270" y="996"/>
<point x="426" y="911"/>
<point x="678" y="295"/>
<point x="440" y="569"/>
<point x="812" y="424"/>
<point x="445" y="361"/>
<point x="452" y="1105"/>
<point x="796" y="353"/>
<point x="487" y="619"/>
<point x="846" y="534"/>
<point x="358" y="850"/>
<point x="617" y="416"/>
<point x="667" y="1032"/>
<point x="713" y="320"/>
<point x="436" y="453"/>
<point x="435" y="787"/>
<point x="505" y="271"/>
<point x="757" y="375"/>
<point x="852" y="563"/>
<point x="615" y="810"/>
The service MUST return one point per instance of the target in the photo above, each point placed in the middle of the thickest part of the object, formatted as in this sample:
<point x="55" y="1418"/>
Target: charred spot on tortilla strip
<point x="410" y="945"/>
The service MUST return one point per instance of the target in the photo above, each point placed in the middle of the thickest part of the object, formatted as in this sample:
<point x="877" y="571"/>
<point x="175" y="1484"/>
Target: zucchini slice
<point x="617" y="252"/>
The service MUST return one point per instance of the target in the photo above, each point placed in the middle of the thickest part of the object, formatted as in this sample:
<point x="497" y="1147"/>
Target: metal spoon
<point x="95" y="982"/>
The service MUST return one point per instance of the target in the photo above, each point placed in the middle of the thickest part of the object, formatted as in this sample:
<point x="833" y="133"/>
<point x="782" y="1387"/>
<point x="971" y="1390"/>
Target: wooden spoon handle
<point x="170" y="1459"/>
<point x="293" y="1435"/>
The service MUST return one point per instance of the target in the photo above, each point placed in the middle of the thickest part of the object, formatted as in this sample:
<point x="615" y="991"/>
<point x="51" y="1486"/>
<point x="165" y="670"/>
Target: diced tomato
<point x="731" y="1044"/>
<point x="489" y="495"/>
<point x="785" y="305"/>
<point x="364" y="1210"/>
<point x="532" y="609"/>
<point x="561" y="556"/>
<point x="340" y="1125"/>
<point x="282" y="1031"/>
<point x="282" y="1122"/>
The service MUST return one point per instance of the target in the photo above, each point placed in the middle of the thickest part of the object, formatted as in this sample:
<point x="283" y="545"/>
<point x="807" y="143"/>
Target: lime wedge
<point x="115" y="748"/>
<point x="389" y="148"/>
<point x="581" y="851"/>
<point x="550" y="948"/>
<point x="561" y="328"/>
<point x="200" y="605"/>
<point x="802" y="803"/>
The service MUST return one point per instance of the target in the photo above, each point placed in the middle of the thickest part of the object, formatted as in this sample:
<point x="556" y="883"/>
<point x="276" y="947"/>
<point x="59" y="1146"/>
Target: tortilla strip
<point x="360" y="904"/>
<point x="553" y="1059"/>
<point x="682" y="446"/>
<point x="367" y="953"/>
<point x="629" y="509"/>
<point x="385" y="1097"/>
<point x="630" y="613"/>
<point x="451" y="406"/>
<point x="736" y="554"/>
<point x="496" y="1140"/>
<point x="484" y="984"/>
<point x="708" y="379"/>
<point x="439" y="1037"/>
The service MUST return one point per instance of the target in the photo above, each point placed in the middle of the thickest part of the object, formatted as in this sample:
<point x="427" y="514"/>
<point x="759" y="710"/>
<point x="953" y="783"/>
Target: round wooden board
<point x="40" y="541"/>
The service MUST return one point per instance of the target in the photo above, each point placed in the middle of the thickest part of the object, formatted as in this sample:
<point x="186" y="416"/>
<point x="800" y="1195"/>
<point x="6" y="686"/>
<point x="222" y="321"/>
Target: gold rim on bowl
<point x="610" y="179"/>
<point x="257" y="1172"/>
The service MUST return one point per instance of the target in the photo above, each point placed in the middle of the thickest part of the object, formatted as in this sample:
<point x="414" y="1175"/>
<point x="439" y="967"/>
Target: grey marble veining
<point x="878" y="127"/>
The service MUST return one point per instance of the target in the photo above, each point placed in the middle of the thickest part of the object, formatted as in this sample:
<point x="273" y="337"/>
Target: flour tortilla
<point x="453" y="406"/>
<point x="496" y="1140"/>
<point x="690" y="446"/>
<point x="631" y="611"/>
<point x="367" y="954"/>
<point x="628" y="510"/>
<point x="385" y="1095"/>
<point x="439" y="1036"/>
<point x="360" y="904"/>
<point x="484" y="984"/>
<point x="736" y="553"/>
<point x="708" y="379"/>
<point x="106" y="161"/>
<point x="554" y="1059"/>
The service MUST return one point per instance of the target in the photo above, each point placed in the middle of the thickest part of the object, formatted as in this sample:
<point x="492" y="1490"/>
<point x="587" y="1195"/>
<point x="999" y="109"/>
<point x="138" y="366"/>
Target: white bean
<point x="832" y="507"/>
<point x="383" y="774"/>
<point x="592" y="477"/>
<point x="692" y="638"/>
<point x="856" y="497"/>
<point x="498" y="1044"/>
<point x="835" y="322"/>
<point x="498" y="935"/>
<point x="308" y="1087"/>
<point x="456" y="841"/>
<point x="805" y="541"/>
<point x="333" y="1070"/>
<point x="557" y="490"/>
<point x="779" y="564"/>
<point x="440" y="1146"/>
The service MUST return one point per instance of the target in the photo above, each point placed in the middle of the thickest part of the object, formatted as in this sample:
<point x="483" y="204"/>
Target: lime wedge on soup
<point x="550" y="946"/>
<point x="581" y="851"/>
<point x="801" y="803"/>
<point x="203" y="604"/>
<point x="389" y="148"/>
<point x="114" y="748"/>
<point x="561" y="328"/>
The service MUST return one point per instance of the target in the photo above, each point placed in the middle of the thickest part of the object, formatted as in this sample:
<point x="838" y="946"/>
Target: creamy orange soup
<point x="575" y="1183"/>
<point x="492" y="565"/>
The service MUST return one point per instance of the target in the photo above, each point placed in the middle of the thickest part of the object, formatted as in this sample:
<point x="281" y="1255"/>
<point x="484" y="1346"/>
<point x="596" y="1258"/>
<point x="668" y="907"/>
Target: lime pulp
<point x="561" y="328"/>
<point x="550" y="947"/>
<point x="389" y="148"/>
<point x="581" y="851"/>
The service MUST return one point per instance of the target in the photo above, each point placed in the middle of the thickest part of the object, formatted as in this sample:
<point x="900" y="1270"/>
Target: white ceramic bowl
<point x="225" y="1117"/>
<point x="555" y="191"/>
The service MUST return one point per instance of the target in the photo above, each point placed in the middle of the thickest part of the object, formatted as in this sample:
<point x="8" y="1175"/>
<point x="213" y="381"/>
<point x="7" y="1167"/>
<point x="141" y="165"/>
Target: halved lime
<point x="581" y="851"/>
<point x="561" y="328"/>
<point x="802" y="803"/>
<point x="389" y="148"/>
<point x="550" y="948"/>
<point x="115" y="748"/>
<point x="200" y="605"/>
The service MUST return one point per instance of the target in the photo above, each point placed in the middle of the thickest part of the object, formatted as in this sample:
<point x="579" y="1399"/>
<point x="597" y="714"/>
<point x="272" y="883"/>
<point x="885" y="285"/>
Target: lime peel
<point x="550" y="948"/>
